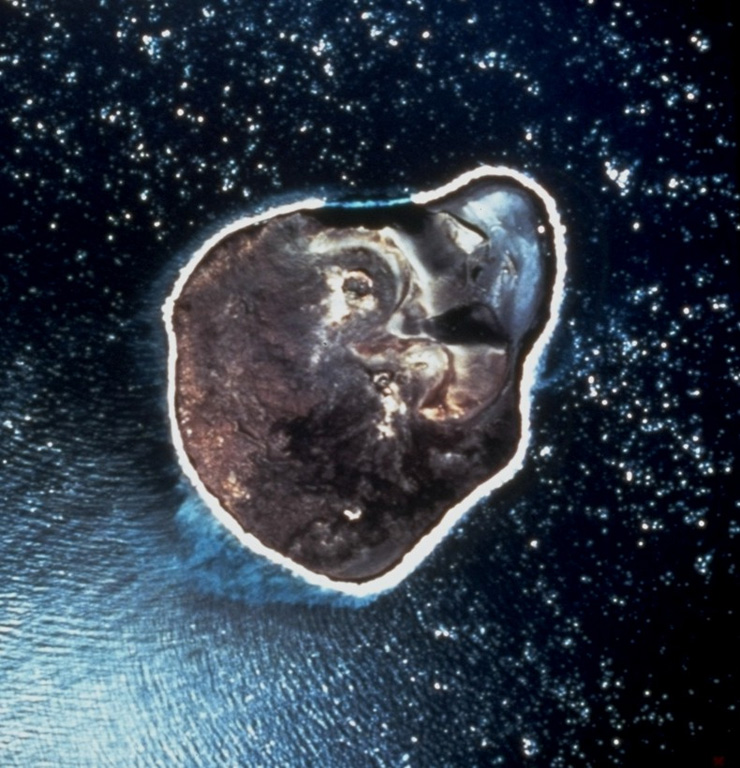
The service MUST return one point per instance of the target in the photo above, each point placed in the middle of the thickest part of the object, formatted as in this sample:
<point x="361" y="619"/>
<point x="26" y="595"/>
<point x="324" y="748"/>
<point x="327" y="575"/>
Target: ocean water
<point x="579" y="616"/>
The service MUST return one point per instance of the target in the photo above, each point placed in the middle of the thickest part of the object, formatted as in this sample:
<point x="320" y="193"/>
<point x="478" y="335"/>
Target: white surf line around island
<point x="426" y="545"/>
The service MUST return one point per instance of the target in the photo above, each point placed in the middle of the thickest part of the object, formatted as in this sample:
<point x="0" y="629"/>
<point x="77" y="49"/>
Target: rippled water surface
<point x="136" y="632"/>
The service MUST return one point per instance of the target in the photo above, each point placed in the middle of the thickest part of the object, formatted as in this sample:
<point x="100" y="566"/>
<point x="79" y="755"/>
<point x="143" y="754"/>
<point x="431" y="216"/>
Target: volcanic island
<point x="346" y="380"/>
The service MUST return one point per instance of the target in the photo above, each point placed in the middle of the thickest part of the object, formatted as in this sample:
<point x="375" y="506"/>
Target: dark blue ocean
<point x="581" y="616"/>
